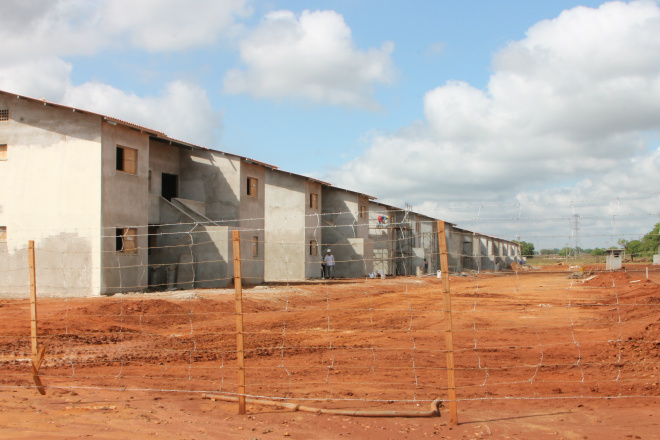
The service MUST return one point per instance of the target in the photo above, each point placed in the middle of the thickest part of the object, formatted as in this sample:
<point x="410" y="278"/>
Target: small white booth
<point x="614" y="259"/>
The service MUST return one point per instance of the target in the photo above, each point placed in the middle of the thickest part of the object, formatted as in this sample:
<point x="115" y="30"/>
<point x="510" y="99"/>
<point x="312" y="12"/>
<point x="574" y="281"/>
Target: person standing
<point x="329" y="261"/>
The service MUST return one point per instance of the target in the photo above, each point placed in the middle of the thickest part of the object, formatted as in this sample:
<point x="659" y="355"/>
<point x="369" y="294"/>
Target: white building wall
<point x="51" y="193"/>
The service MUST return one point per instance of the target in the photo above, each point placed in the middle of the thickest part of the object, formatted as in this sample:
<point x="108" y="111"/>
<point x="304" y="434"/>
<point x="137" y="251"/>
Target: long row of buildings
<point x="116" y="207"/>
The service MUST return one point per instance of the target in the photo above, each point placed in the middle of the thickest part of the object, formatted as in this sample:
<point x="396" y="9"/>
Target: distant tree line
<point x="646" y="247"/>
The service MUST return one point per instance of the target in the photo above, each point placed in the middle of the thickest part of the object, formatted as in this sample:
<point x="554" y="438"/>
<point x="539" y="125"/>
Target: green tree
<point x="597" y="252"/>
<point x="635" y="248"/>
<point x="651" y="240"/>
<point x="564" y="252"/>
<point x="526" y="249"/>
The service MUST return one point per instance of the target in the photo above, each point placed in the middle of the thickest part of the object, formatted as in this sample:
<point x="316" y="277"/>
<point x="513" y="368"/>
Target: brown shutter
<point x="130" y="160"/>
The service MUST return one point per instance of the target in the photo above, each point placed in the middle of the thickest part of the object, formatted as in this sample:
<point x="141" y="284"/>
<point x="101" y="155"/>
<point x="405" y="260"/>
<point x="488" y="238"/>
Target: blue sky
<point x="526" y="107"/>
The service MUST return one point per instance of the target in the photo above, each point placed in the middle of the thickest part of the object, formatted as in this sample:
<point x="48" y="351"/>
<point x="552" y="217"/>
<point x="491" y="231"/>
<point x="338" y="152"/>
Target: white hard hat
<point x="328" y="250"/>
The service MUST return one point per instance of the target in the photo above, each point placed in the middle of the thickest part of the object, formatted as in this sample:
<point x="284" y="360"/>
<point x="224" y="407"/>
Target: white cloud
<point x="169" y="25"/>
<point x="182" y="110"/>
<point x="311" y="57"/>
<point x="72" y="27"/>
<point x="45" y="28"/>
<point x="42" y="77"/>
<point x="38" y="35"/>
<point x="565" y="114"/>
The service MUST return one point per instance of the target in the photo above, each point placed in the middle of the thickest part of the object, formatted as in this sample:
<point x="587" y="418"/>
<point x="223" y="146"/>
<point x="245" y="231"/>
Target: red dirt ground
<point x="538" y="355"/>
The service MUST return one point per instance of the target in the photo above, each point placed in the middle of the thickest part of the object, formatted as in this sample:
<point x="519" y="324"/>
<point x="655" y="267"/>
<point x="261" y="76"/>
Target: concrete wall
<point x="51" y="193"/>
<point x="428" y="242"/>
<point x="383" y="238"/>
<point x="454" y="247"/>
<point x="480" y="252"/>
<point x="343" y="228"/>
<point x="215" y="179"/>
<point x="125" y="203"/>
<point x="163" y="158"/>
<point x="313" y="230"/>
<point x="284" y="208"/>
<point x="251" y="215"/>
<point x="187" y="255"/>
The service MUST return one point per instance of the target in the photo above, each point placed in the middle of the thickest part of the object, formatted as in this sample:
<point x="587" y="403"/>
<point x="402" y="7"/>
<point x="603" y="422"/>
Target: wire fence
<point x="372" y="336"/>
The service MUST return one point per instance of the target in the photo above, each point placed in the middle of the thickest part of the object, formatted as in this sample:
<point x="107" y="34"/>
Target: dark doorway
<point x="170" y="186"/>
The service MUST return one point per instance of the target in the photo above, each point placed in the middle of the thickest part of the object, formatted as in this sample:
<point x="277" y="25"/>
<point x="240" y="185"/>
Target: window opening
<point x="4" y="114"/>
<point x="126" y="240"/>
<point x="170" y="186"/>
<point x="313" y="248"/>
<point x="255" y="246"/>
<point x="3" y="152"/>
<point x="252" y="186"/>
<point x="313" y="201"/>
<point x="3" y="233"/>
<point x="152" y="240"/>
<point x="126" y="159"/>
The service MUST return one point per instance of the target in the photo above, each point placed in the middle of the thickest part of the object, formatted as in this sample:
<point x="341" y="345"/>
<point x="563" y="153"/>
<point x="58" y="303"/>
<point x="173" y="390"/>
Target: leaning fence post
<point x="238" y="287"/>
<point x="37" y="354"/>
<point x="449" y="336"/>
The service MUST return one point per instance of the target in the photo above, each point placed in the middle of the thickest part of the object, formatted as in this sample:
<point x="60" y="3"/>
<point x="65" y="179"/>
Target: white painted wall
<point x="51" y="193"/>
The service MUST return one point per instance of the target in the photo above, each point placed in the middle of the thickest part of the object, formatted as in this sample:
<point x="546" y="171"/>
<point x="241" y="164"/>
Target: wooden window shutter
<point x="130" y="160"/>
<point x="255" y="246"/>
<point x="252" y="186"/>
<point x="130" y="240"/>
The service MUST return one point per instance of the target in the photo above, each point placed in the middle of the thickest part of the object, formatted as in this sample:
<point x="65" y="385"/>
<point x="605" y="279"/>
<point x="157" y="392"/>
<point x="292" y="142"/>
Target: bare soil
<point x="538" y="355"/>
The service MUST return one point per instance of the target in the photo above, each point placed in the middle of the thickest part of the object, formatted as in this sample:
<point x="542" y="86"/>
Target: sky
<point x="536" y="121"/>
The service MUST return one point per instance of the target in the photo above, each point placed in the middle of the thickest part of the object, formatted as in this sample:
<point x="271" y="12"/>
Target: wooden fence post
<point x="37" y="354"/>
<point x="238" y="287"/>
<point x="449" y="336"/>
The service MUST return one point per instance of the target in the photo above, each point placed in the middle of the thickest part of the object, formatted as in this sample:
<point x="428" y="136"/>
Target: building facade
<point x="116" y="207"/>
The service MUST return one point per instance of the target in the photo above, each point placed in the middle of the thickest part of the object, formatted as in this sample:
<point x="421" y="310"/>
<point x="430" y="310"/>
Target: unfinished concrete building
<point x="345" y="221"/>
<point x="403" y="240"/>
<point x="469" y="250"/>
<point x="117" y="207"/>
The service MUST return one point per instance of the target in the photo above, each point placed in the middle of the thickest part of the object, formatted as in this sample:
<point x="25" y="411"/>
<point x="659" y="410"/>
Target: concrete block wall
<point x="285" y="236"/>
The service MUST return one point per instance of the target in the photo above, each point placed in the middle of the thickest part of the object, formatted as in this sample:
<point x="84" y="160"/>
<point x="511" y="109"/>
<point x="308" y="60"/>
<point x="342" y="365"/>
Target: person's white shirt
<point x="329" y="260"/>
